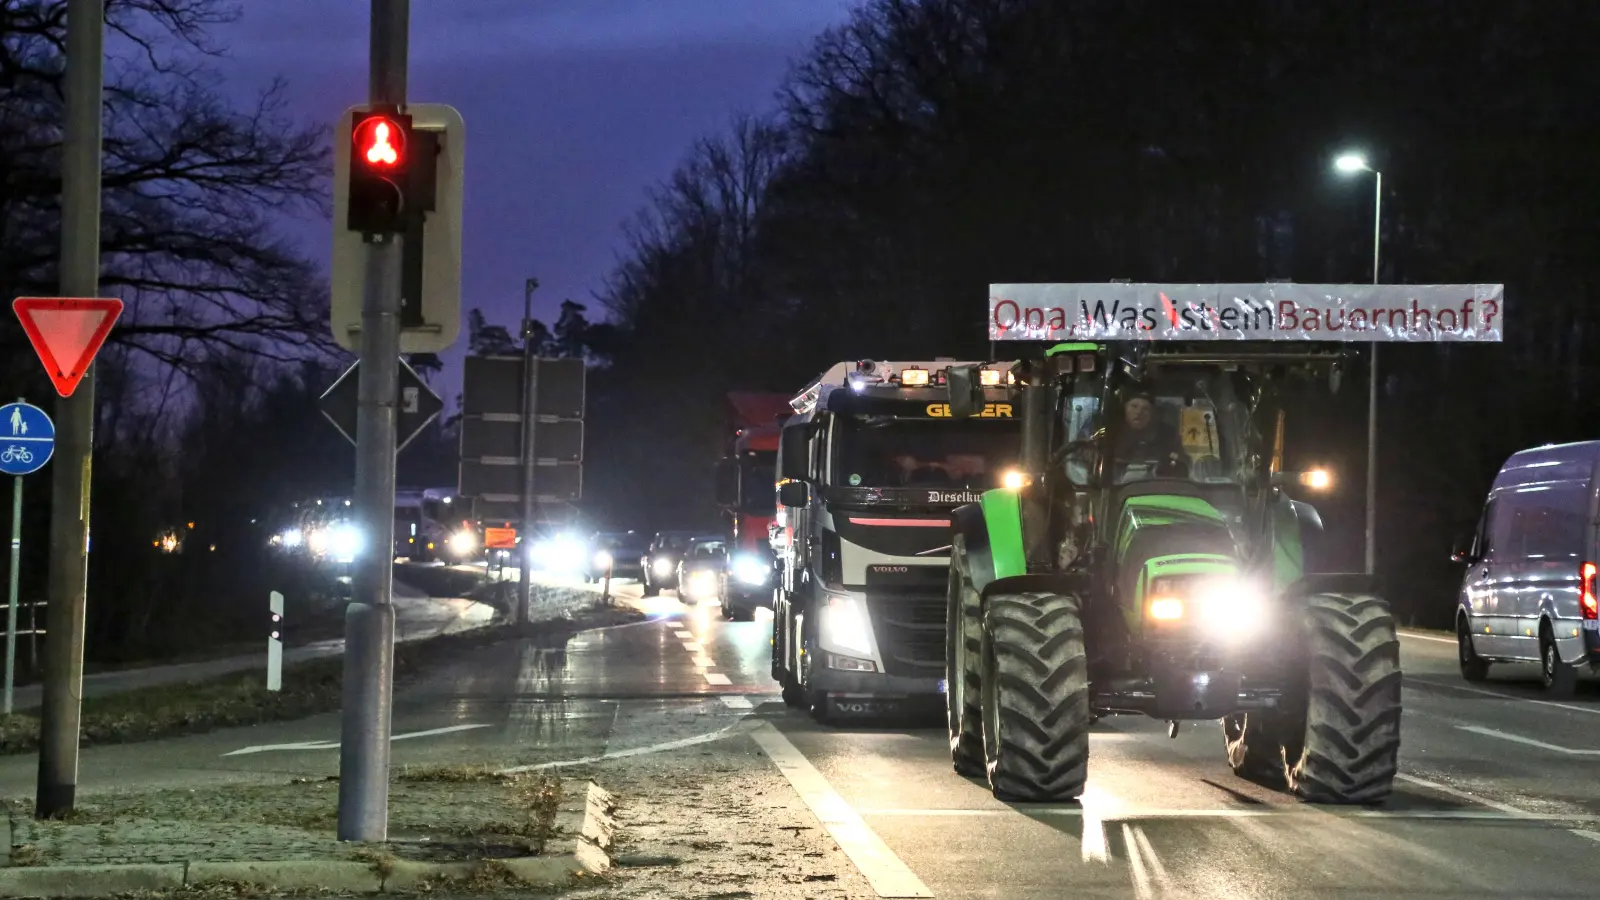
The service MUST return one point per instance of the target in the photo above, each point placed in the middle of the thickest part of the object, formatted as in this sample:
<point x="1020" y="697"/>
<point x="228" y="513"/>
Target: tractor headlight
<point x="751" y="570"/>
<point x="1228" y="606"/>
<point x="844" y="626"/>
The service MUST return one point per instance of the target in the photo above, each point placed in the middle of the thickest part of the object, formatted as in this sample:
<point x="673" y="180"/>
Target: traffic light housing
<point x="379" y="155"/>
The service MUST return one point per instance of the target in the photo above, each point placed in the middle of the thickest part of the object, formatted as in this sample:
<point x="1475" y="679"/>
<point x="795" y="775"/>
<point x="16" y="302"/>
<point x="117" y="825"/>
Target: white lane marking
<point x="737" y="701"/>
<point x="1428" y="637"/>
<point x="1504" y="736"/>
<point x="1141" y="878"/>
<point x="1156" y="866"/>
<point x="1130" y="813"/>
<point x="1499" y="696"/>
<point x="717" y="678"/>
<point x="886" y="872"/>
<point x="692" y="646"/>
<point x="334" y="745"/>
<point x="684" y="635"/>
<point x="1591" y="835"/>
<point x="1509" y="810"/>
<point x="705" y="662"/>
<point x="679" y="744"/>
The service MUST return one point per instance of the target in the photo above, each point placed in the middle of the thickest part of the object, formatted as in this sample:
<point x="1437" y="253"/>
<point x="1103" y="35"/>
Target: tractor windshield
<point x="889" y="452"/>
<point x="1181" y="422"/>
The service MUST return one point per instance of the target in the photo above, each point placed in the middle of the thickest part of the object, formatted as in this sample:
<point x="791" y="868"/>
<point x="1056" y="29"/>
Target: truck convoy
<point x="746" y="481"/>
<point x="1152" y="556"/>
<point x="871" y="466"/>
<point x="434" y="524"/>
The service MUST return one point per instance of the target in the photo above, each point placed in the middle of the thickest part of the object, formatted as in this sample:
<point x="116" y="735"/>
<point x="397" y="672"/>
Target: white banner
<point x="1247" y="312"/>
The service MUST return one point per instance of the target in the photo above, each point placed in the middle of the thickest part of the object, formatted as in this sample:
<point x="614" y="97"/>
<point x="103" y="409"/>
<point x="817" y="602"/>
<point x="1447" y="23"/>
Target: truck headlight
<point x="661" y="566"/>
<point x="751" y="570"/>
<point x="844" y="626"/>
<point x="463" y="543"/>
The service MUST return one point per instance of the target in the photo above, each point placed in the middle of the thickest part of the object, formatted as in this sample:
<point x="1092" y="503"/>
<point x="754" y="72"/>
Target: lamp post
<point x="1351" y="164"/>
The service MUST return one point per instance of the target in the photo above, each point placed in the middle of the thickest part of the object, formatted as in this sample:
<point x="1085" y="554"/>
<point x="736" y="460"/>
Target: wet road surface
<point x="1498" y="795"/>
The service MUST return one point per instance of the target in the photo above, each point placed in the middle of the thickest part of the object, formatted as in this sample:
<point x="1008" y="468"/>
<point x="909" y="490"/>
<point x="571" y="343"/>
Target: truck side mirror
<point x="794" y="493"/>
<point x="794" y="453"/>
<point x="1462" y="551"/>
<point x="966" y="394"/>
<point x="728" y="483"/>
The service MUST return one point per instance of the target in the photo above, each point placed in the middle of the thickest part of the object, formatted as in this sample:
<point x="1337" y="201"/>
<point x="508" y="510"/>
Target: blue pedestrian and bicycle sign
<point x="27" y="439"/>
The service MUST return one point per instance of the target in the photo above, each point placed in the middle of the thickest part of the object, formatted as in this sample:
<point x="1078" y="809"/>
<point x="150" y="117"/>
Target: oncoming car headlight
<point x="702" y="584"/>
<point x="601" y="560"/>
<point x="751" y="570"/>
<point x="661" y="566"/>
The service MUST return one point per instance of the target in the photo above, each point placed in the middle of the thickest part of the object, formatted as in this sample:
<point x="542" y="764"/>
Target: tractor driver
<point x="1145" y="442"/>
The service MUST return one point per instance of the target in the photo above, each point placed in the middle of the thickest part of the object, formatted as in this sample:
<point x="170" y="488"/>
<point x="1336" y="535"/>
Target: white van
<point x="1529" y="592"/>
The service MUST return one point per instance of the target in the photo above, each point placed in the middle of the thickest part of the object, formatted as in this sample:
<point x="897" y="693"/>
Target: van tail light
<point x="1586" y="595"/>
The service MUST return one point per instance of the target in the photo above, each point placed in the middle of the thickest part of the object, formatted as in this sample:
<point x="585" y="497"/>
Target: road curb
<point x="591" y="854"/>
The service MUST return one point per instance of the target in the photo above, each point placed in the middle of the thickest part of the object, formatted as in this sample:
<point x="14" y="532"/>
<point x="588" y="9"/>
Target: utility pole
<point x="530" y="394"/>
<point x="369" y="620"/>
<point x="69" y="503"/>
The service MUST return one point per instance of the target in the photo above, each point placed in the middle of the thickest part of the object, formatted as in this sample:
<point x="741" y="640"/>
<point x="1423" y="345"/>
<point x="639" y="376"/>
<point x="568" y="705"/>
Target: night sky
<point x="573" y="109"/>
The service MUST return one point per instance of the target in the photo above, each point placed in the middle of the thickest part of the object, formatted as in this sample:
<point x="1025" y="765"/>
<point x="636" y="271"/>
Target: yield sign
<point x="66" y="333"/>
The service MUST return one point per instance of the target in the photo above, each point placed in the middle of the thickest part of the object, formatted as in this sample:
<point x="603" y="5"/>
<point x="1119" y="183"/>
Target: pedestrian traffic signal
<point x="379" y="166"/>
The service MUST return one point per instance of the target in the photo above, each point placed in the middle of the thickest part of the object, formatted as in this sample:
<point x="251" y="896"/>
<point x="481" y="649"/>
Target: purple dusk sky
<point x="573" y="108"/>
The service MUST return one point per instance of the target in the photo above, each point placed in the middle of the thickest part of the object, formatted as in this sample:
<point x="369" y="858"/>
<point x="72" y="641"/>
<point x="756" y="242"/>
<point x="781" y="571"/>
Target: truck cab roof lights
<point x="989" y="377"/>
<point x="912" y="376"/>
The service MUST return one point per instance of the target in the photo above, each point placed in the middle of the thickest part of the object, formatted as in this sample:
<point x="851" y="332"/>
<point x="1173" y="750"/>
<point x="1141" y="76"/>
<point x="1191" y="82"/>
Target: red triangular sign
<point x="66" y="333"/>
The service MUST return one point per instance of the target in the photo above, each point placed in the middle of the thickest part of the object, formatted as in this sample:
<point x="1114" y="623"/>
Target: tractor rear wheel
<point x="1035" y="697"/>
<point x="1346" y="748"/>
<point x="963" y="654"/>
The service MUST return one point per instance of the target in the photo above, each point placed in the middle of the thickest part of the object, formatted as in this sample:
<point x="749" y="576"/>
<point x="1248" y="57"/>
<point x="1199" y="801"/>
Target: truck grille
<point x="910" y="632"/>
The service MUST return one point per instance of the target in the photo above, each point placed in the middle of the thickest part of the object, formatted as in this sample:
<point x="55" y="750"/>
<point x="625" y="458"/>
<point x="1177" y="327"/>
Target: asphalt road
<point x="1498" y="795"/>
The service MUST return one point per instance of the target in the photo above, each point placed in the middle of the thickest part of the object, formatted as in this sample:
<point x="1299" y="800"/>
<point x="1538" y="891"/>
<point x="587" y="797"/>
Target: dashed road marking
<point x="1428" y="637"/>
<point x="679" y="744"/>
<point x="334" y="745"/>
<point x="717" y="678"/>
<point x="1517" y="738"/>
<point x="705" y="662"/>
<point x="692" y="646"/>
<point x="1500" y="696"/>
<point x="736" y="701"/>
<point x="684" y="635"/>
<point x="886" y="872"/>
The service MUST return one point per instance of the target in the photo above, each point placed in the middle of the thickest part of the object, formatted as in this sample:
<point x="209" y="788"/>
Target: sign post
<point x="27" y="441"/>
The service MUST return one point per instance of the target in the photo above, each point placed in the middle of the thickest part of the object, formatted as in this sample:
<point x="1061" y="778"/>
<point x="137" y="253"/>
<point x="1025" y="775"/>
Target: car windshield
<point x="707" y="549"/>
<point x="886" y="452"/>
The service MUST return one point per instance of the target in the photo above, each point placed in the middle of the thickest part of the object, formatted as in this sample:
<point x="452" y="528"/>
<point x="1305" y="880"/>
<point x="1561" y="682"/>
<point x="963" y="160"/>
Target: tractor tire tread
<point x="1041" y="688"/>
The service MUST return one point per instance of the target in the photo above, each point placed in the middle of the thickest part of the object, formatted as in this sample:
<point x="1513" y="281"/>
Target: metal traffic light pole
<point x="369" y="620"/>
<point x="62" y="706"/>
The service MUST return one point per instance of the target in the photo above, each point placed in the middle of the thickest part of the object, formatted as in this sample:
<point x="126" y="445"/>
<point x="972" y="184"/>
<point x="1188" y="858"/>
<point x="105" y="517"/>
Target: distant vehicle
<point x="747" y="493"/>
<point x="703" y="570"/>
<point x="1529" y="592"/>
<point x="619" y="552"/>
<point x="433" y="525"/>
<point x="660" y="561"/>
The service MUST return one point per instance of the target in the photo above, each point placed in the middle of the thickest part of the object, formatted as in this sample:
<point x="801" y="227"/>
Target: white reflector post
<point x="275" y="643"/>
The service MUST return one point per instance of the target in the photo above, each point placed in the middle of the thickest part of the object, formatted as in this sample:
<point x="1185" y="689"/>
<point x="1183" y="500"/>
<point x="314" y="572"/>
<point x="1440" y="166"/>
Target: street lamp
<point x="1351" y="164"/>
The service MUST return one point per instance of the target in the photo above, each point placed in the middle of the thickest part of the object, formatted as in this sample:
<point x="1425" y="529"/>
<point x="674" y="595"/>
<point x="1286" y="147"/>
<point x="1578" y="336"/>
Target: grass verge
<point x="434" y="815"/>
<point x="242" y="698"/>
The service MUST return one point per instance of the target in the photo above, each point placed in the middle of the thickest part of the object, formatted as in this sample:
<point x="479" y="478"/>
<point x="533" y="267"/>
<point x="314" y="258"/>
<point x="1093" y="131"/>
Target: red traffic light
<point x="380" y="142"/>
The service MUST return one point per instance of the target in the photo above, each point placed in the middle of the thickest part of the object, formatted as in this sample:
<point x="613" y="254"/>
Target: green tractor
<point x="1154" y="560"/>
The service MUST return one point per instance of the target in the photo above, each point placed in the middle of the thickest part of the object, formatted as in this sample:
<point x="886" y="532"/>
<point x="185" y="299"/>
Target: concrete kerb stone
<point x="591" y="854"/>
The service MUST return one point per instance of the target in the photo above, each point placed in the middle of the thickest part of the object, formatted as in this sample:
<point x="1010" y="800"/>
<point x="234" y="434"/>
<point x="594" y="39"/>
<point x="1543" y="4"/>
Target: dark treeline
<point x="930" y="147"/>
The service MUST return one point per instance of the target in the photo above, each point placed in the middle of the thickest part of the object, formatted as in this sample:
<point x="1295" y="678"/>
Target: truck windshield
<point x="758" y="493"/>
<point x="885" y="452"/>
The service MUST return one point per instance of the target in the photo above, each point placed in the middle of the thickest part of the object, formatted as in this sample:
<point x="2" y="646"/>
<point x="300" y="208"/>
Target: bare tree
<point x="194" y="191"/>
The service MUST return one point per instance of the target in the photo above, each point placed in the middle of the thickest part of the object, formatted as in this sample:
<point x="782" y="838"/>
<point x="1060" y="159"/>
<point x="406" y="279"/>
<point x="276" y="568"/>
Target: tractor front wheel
<point x="1035" y="692"/>
<point x="1345" y="747"/>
